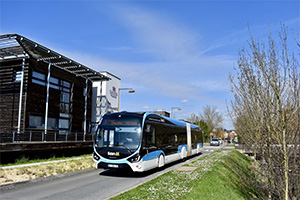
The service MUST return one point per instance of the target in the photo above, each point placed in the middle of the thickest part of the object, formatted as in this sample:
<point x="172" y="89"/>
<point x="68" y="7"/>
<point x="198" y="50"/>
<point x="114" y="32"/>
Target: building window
<point x="65" y="91"/>
<point x="66" y="84"/>
<point x="41" y="79"/>
<point x="38" y="78"/>
<point x="37" y="75"/>
<point x="54" y="83"/>
<point x="39" y="122"/>
<point x="64" y="108"/>
<point x="65" y="97"/>
<point x="64" y="119"/>
<point x="63" y="124"/>
<point x="52" y="123"/>
<point x="54" y="80"/>
<point x="18" y="77"/>
<point x="36" y="122"/>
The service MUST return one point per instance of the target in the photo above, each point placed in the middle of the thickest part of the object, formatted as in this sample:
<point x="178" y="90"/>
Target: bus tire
<point x="161" y="161"/>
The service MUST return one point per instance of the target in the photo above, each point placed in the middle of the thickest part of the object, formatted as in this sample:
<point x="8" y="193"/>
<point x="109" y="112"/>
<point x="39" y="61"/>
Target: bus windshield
<point x="122" y="132"/>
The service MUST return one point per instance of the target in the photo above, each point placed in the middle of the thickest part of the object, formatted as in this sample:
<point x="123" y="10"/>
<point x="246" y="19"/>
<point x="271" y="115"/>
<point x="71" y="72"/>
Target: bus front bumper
<point x="105" y="165"/>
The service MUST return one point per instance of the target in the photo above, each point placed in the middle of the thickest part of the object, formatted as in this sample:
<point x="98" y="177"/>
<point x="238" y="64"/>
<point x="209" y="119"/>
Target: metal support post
<point x="30" y="136"/>
<point x="13" y="137"/>
<point x="85" y="104"/>
<point x="47" y="98"/>
<point x="100" y="105"/>
<point x="119" y="91"/>
<point x="21" y="95"/>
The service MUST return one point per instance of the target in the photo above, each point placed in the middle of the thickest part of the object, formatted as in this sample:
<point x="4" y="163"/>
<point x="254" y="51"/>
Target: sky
<point x="172" y="53"/>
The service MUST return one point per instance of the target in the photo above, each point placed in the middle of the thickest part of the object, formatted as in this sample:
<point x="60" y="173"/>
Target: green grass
<point x="221" y="175"/>
<point x="230" y="178"/>
<point x="25" y="160"/>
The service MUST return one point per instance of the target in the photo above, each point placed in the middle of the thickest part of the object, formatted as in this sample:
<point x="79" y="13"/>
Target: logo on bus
<point x="113" y="153"/>
<point x="113" y="93"/>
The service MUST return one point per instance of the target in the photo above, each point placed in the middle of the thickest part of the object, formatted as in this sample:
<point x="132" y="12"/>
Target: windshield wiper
<point x="124" y="146"/>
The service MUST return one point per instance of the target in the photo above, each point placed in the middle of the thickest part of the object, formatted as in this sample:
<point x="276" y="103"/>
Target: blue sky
<point x="173" y="53"/>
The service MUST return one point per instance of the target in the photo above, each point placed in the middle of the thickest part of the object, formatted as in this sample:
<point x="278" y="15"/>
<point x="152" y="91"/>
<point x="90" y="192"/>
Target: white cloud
<point x="212" y="85"/>
<point x="169" y="79"/>
<point x="160" y="36"/>
<point x="184" y="101"/>
<point x="177" y="70"/>
<point x="141" y="76"/>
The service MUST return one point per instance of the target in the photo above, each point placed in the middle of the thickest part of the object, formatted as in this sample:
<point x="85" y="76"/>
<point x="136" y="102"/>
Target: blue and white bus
<point x="143" y="141"/>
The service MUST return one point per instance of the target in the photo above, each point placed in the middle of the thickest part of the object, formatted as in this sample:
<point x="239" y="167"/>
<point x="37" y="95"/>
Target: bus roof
<point x="174" y="121"/>
<point x="145" y="114"/>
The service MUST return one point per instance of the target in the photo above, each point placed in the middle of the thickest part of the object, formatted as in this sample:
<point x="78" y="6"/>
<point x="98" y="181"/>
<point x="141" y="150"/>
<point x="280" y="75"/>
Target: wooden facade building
<point x="39" y="86"/>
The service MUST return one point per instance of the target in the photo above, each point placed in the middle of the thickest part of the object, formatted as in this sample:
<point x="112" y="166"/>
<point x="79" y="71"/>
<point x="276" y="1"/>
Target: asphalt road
<point x="91" y="184"/>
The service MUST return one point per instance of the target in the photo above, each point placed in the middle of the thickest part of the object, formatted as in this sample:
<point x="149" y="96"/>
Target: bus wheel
<point x="161" y="161"/>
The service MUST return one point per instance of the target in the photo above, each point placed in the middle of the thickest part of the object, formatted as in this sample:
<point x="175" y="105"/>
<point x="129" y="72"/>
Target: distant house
<point x="42" y="89"/>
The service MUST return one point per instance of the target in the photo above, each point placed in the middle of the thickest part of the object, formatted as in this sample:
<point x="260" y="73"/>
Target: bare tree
<point x="211" y="116"/>
<point x="265" y="110"/>
<point x="209" y="119"/>
<point x="193" y="118"/>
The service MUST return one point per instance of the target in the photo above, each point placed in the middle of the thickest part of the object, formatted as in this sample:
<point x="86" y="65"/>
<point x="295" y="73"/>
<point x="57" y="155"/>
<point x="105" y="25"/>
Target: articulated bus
<point x="143" y="141"/>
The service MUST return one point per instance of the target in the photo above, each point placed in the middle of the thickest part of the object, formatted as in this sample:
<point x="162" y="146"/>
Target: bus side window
<point x="160" y="131"/>
<point x="152" y="137"/>
<point x="149" y="139"/>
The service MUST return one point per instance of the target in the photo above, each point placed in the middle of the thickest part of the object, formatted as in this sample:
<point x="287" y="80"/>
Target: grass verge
<point x="25" y="160"/>
<point x="43" y="170"/>
<point x="220" y="175"/>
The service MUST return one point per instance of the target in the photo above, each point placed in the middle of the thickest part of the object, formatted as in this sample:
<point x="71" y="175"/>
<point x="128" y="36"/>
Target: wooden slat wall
<point x="10" y="94"/>
<point x="34" y="95"/>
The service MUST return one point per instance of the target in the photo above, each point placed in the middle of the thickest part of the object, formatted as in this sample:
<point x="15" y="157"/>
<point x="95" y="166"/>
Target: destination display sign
<point x="121" y="122"/>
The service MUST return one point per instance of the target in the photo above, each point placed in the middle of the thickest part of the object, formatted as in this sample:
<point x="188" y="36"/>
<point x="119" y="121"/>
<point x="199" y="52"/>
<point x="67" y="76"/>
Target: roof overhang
<point x="17" y="46"/>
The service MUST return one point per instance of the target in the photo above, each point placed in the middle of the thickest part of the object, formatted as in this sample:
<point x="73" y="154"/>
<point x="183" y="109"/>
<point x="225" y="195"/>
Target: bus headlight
<point x="134" y="158"/>
<point x="95" y="156"/>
